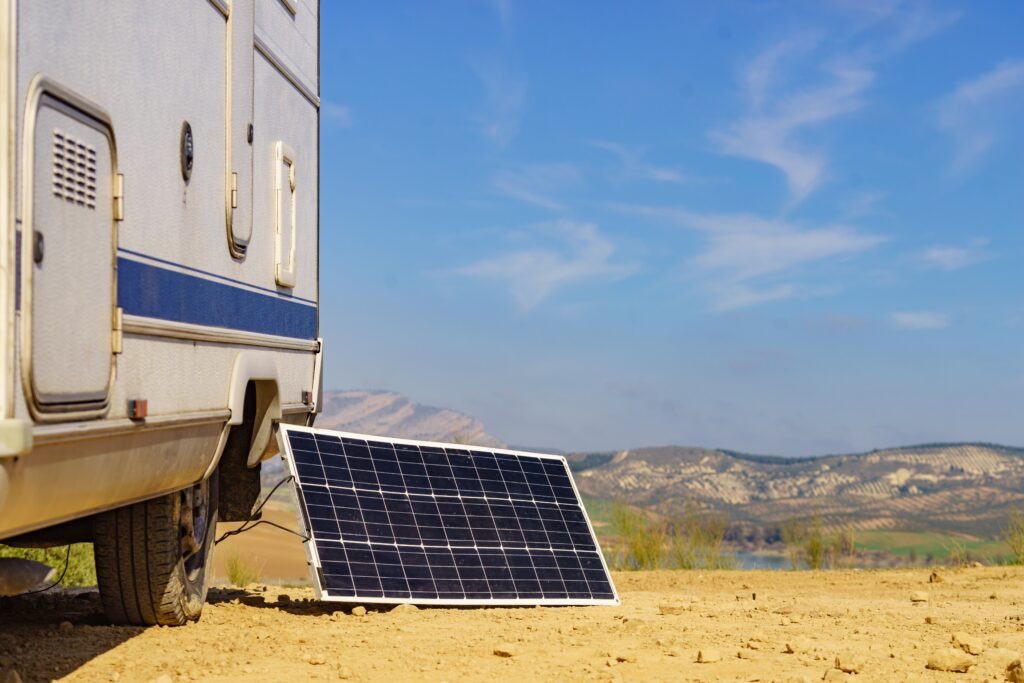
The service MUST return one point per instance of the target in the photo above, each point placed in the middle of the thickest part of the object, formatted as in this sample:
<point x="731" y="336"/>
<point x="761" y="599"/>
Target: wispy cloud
<point x="771" y="130"/>
<point x="920" y="320"/>
<point x="536" y="184"/>
<point x="634" y="166"/>
<point x="505" y="96"/>
<point x="954" y="258"/>
<point x="976" y="111"/>
<point x="337" y="114"/>
<point x="503" y="8"/>
<point x="747" y="260"/>
<point x="574" y="253"/>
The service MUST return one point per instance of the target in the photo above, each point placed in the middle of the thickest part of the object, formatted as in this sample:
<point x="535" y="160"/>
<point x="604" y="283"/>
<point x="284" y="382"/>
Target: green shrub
<point x="642" y="540"/>
<point x="240" y="572"/>
<point x="81" y="566"/>
<point x="1013" y="534"/>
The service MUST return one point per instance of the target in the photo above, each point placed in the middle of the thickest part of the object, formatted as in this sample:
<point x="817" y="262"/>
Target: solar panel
<point x="393" y="521"/>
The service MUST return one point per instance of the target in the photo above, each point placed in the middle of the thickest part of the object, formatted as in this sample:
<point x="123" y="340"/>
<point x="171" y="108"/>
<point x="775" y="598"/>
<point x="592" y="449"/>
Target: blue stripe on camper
<point x="153" y="292"/>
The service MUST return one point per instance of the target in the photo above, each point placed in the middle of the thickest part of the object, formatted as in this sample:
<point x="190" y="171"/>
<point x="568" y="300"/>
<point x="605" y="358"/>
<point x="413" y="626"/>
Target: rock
<point x="931" y="620"/>
<point x="708" y="656"/>
<point x="65" y="626"/>
<point x="624" y="658"/>
<point x="505" y="650"/>
<point x="344" y="673"/>
<point x="977" y="565"/>
<point x="847" y="662"/>
<point x="666" y="609"/>
<point x="968" y="643"/>
<point x="797" y="646"/>
<point x="358" y="611"/>
<point x="1015" y="671"/>
<point x="918" y="596"/>
<point x="404" y="608"/>
<point x="284" y="598"/>
<point x="316" y="660"/>
<point x="744" y="654"/>
<point x="935" y="577"/>
<point x="950" y="659"/>
<point x="834" y="675"/>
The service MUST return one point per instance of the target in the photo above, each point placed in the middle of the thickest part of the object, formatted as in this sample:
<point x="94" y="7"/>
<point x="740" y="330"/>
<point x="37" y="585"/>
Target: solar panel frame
<point x="420" y="486"/>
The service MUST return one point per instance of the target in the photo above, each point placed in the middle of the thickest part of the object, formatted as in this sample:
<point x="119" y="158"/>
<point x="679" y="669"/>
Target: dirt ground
<point x="868" y="619"/>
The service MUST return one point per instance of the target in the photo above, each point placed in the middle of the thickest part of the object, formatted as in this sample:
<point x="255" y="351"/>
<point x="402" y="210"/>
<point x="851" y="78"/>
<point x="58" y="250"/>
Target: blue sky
<point x="785" y="227"/>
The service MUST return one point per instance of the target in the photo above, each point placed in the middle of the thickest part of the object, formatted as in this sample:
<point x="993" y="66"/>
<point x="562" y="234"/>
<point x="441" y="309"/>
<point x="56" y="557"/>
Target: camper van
<point x="159" y="289"/>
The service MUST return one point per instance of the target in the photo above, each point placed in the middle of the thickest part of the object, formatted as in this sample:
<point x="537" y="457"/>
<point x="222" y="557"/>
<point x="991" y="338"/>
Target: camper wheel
<point x="153" y="557"/>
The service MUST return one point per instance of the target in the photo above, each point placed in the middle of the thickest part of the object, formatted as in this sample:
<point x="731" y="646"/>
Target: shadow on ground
<point x="73" y="615"/>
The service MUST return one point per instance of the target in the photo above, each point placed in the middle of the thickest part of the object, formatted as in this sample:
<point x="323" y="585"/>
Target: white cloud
<point x="535" y="183"/>
<point x="747" y="260"/>
<point x="975" y="113"/>
<point x="337" y="114"/>
<point x="954" y="258"/>
<point x="581" y="254"/>
<point x="920" y="320"/>
<point x="505" y="95"/>
<point x="770" y="131"/>
<point x="633" y="165"/>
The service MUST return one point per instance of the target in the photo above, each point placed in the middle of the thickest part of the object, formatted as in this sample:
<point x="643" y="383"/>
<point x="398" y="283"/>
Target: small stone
<point x="284" y="598"/>
<point x="316" y="660"/>
<point x="968" y="643"/>
<point x="404" y="608"/>
<point x="918" y="596"/>
<point x="65" y="626"/>
<point x="798" y="646"/>
<point x="1015" y="671"/>
<point x="935" y="577"/>
<point x="505" y="650"/>
<point x="744" y="654"/>
<point x="667" y="610"/>
<point x="344" y="673"/>
<point x="950" y="659"/>
<point x="358" y="611"/>
<point x="834" y="675"/>
<point x="977" y="565"/>
<point x="931" y="620"/>
<point x="847" y="662"/>
<point x="625" y="659"/>
<point x="115" y="676"/>
<point x="708" y="656"/>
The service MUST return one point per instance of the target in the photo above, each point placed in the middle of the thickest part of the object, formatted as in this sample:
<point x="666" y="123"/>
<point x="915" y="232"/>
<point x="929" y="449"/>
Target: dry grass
<point x="240" y="572"/>
<point x="693" y="540"/>
<point x="1013" y="534"/>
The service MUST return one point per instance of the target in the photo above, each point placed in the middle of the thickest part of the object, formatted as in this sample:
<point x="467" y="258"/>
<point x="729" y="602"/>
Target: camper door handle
<point x="38" y="247"/>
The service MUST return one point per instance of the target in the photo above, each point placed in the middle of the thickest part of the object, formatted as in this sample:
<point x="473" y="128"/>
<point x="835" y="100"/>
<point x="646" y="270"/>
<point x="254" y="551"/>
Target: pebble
<point x="919" y="596"/>
<point x="968" y="643"/>
<point x="795" y="647"/>
<point x="284" y="598"/>
<point x="65" y="626"/>
<point x="666" y="609"/>
<point x="834" y="675"/>
<point x="1015" y="671"/>
<point x="931" y="620"/>
<point x="316" y="660"/>
<point x="358" y="611"/>
<point x="404" y="608"/>
<point x="935" y="577"/>
<point x="505" y="650"/>
<point x="708" y="656"/>
<point x="625" y="659"/>
<point x="950" y="659"/>
<point x="847" y="662"/>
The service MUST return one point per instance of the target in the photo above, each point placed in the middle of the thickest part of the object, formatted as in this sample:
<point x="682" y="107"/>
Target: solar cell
<point x="393" y="520"/>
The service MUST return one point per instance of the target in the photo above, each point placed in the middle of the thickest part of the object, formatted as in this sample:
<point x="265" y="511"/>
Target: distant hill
<point x="386" y="413"/>
<point x="959" y="488"/>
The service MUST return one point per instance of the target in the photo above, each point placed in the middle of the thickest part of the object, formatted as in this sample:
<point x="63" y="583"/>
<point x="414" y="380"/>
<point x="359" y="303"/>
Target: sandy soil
<point x="867" y="619"/>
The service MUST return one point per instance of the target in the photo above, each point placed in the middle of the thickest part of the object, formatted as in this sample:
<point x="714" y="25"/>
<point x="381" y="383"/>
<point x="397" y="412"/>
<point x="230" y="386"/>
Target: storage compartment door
<point x="71" y="252"/>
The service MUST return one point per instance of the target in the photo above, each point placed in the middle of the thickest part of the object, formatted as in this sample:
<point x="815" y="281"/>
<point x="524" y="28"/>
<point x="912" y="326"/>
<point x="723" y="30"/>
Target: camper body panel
<point x="198" y="309"/>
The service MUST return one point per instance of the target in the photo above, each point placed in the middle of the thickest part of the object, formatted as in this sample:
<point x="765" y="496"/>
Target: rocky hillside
<point x="389" y="414"/>
<point x="967" y="488"/>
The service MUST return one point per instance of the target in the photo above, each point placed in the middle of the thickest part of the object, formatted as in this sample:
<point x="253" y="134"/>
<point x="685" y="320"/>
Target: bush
<point x="793" y="533"/>
<point x="1013" y="534"/>
<point x="81" y="566"/>
<point x="240" y="572"/>
<point x="815" y="545"/>
<point x="642" y="539"/>
<point x="692" y="540"/>
<point x="696" y="541"/>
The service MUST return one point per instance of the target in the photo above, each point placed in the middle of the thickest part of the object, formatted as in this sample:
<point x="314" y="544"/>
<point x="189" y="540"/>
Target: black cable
<point x="252" y="523"/>
<point x="67" y="561"/>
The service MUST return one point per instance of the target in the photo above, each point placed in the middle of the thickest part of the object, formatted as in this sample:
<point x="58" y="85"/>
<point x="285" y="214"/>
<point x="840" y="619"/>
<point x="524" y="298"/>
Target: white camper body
<point x="158" y="245"/>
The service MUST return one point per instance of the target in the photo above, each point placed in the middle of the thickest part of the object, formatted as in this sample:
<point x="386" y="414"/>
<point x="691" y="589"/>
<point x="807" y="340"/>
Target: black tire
<point x="149" y="571"/>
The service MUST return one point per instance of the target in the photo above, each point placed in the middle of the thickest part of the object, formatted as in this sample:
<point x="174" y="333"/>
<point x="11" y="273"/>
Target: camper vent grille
<point x="74" y="170"/>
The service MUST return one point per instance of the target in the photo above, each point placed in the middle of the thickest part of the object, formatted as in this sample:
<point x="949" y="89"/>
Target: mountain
<point x="965" y="488"/>
<point x="386" y="413"/>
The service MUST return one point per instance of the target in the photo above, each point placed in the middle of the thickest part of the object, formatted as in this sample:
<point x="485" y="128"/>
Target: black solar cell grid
<point x="401" y="521"/>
